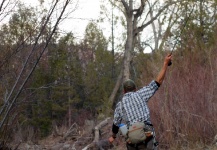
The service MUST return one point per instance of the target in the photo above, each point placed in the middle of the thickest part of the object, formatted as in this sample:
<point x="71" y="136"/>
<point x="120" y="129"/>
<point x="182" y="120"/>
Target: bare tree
<point x="136" y="21"/>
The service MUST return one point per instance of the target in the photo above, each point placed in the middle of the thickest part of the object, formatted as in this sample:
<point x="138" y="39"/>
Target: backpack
<point x="139" y="132"/>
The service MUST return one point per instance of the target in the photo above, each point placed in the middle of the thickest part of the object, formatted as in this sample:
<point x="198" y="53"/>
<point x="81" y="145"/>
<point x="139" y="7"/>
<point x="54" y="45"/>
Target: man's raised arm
<point x="162" y="73"/>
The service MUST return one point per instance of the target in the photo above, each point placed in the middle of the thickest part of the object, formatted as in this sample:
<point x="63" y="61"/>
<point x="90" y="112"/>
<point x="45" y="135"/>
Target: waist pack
<point x="139" y="132"/>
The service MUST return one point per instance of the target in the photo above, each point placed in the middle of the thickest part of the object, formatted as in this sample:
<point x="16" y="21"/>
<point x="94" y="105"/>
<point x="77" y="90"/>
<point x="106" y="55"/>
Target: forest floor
<point x="78" y="138"/>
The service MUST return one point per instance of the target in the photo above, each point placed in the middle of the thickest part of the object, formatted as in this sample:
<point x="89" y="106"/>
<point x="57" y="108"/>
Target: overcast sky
<point x="87" y="10"/>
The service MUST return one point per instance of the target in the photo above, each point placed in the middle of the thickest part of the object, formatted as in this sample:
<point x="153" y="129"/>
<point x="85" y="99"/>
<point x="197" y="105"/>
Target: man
<point x="133" y="108"/>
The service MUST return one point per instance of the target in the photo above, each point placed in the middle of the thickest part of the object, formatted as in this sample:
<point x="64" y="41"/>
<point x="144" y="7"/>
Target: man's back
<point x="135" y="108"/>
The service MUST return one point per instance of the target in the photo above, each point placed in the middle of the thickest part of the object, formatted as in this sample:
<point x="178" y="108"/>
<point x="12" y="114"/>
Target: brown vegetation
<point x="184" y="109"/>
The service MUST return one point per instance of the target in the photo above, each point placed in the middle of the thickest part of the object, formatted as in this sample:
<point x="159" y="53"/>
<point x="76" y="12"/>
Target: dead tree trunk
<point x="97" y="135"/>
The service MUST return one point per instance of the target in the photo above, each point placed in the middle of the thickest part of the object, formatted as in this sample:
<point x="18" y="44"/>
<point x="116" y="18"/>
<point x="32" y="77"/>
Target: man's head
<point x="129" y="85"/>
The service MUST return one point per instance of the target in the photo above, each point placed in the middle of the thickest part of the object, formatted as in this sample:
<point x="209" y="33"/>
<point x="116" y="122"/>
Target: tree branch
<point x="139" y="29"/>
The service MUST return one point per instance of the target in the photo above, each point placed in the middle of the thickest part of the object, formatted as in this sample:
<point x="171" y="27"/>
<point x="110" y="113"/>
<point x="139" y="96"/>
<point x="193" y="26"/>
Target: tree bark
<point x="129" y="42"/>
<point x="115" y="90"/>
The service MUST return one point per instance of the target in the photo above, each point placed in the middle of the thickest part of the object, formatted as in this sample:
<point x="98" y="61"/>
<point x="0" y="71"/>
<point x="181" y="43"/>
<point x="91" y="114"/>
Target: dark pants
<point x="149" y="145"/>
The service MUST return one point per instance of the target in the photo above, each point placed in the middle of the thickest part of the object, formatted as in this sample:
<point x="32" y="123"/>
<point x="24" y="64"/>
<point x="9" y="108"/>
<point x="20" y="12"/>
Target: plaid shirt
<point x="133" y="107"/>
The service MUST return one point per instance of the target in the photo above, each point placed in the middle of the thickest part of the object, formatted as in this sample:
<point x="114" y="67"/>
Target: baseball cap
<point x="129" y="85"/>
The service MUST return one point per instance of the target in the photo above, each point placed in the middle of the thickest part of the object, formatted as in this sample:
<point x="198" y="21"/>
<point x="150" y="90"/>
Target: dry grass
<point x="184" y="110"/>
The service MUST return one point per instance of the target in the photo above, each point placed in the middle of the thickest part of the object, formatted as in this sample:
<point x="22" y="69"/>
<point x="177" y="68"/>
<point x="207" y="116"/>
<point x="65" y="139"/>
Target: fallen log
<point x="97" y="134"/>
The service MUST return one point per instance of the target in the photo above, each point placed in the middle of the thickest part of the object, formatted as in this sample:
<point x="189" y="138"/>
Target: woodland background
<point x="51" y="80"/>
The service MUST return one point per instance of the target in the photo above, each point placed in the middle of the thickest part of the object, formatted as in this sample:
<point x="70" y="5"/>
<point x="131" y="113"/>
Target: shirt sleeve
<point x="148" y="91"/>
<point x="117" y="114"/>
